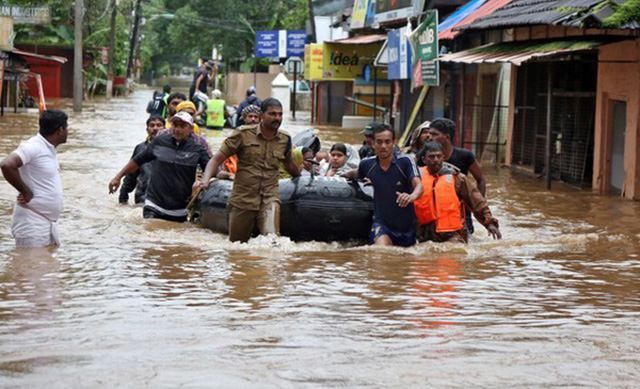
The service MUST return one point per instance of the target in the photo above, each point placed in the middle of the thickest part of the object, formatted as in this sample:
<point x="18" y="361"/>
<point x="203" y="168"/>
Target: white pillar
<point x="280" y="90"/>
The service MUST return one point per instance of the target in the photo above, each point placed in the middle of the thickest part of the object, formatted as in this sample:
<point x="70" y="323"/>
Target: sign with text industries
<point x="399" y="54"/>
<point x="267" y="44"/>
<point x="424" y="41"/>
<point x="26" y="15"/>
<point x="296" y="39"/>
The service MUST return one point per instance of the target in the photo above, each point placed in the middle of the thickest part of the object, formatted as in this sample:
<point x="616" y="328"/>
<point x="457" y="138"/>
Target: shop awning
<point x="519" y="52"/>
<point x="361" y="40"/>
<point x="53" y="58"/>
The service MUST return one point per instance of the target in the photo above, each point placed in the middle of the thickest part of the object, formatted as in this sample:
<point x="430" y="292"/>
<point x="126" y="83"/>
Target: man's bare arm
<point x="10" y="166"/>
<point x="130" y="167"/>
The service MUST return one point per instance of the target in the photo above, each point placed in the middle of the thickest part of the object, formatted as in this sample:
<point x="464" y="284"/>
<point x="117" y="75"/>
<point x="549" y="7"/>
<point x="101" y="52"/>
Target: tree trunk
<point x="112" y="48"/>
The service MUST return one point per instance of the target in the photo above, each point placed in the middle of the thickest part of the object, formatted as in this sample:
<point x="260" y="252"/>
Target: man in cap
<point x="367" y="144"/>
<point x="252" y="99"/>
<point x="216" y="111"/>
<point x="176" y="157"/>
<point x="190" y="108"/>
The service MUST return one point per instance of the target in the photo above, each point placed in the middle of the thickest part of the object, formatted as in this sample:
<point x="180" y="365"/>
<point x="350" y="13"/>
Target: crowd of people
<point x="421" y="192"/>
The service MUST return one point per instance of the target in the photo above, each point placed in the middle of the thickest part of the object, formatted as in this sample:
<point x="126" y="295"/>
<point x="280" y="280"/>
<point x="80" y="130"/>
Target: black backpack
<point x="156" y="105"/>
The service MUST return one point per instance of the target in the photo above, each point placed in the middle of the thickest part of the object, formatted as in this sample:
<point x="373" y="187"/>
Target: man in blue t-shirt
<point x="396" y="185"/>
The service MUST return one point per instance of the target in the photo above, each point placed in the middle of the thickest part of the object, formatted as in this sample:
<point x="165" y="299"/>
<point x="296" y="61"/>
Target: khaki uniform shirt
<point x="256" y="180"/>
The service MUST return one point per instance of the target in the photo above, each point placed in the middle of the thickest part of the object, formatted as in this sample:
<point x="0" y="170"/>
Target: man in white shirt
<point x="33" y="169"/>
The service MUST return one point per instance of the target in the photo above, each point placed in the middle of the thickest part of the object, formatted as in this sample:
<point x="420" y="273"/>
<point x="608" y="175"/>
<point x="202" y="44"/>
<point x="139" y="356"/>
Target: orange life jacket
<point x="439" y="202"/>
<point x="231" y="164"/>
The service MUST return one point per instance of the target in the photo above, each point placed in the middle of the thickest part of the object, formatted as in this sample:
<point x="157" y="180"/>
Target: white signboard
<point x="26" y="15"/>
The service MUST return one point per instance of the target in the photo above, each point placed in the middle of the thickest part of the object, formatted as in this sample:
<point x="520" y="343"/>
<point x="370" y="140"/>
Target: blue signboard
<point x="267" y="44"/>
<point x="296" y="40"/>
<point x="399" y="54"/>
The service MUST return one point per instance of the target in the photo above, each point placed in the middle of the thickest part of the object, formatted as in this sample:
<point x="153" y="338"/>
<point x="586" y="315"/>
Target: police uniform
<point x="255" y="197"/>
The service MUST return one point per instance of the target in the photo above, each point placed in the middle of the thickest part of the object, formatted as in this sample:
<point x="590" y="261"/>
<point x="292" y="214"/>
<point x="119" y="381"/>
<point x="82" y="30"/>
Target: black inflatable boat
<point x="313" y="208"/>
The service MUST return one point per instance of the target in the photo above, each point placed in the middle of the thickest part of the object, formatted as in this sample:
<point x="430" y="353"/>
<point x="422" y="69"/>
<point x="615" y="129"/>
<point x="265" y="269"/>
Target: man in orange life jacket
<point x="440" y="210"/>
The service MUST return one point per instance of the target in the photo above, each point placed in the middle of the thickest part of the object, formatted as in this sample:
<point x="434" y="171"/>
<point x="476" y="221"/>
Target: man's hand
<point x="403" y="199"/>
<point x="25" y="197"/>
<point x="199" y="184"/>
<point x="494" y="231"/>
<point x="114" y="185"/>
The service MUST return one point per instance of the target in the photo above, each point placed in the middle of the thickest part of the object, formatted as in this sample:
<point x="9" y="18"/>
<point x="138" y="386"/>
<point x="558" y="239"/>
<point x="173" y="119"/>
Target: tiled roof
<point x="576" y="13"/>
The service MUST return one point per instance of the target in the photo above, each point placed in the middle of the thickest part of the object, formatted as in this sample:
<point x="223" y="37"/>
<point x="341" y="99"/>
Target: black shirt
<point x="173" y="171"/>
<point x="462" y="159"/>
<point x="137" y="180"/>
<point x="202" y="71"/>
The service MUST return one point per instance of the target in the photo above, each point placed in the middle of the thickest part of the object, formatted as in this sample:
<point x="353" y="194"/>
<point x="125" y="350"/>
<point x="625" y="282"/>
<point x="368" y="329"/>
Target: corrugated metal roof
<point x="361" y="40"/>
<point x="485" y="9"/>
<point x="535" y="12"/>
<point x="519" y="52"/>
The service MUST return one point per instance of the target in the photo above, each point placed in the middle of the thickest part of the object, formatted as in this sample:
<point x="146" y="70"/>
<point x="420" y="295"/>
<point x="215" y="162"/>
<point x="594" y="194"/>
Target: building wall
<point x="618" y="79"/>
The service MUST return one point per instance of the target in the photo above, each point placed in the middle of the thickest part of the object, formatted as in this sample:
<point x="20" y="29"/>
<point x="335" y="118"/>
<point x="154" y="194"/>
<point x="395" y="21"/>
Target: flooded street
<point x="135" y="303"/>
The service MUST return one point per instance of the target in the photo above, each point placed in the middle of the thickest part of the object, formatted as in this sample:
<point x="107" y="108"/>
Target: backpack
<point x="156" y="105"/>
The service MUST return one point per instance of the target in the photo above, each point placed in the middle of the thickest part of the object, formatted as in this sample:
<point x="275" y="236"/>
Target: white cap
<point x="183" y="116"/>
<point x="216" y="93"/>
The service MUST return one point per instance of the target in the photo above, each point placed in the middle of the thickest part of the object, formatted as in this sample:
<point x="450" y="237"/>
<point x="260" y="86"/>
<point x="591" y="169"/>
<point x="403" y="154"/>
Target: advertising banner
<point x="399" y="54"/>
<point x="280" y="43"/>
<point x="359" y="14"/>
<point x="313" y="59"/>
<point x="347" y="61"/>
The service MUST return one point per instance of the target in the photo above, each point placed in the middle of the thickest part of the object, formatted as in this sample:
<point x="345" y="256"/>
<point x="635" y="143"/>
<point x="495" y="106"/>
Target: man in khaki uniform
<point x="260" y="149"/>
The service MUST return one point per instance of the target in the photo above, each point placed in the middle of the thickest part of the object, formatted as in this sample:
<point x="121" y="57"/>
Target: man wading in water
<point x="255" y="198"/>
<point x="396" y="185"/>
<point x="33" y="169"/>
<point x="176" y="156"/>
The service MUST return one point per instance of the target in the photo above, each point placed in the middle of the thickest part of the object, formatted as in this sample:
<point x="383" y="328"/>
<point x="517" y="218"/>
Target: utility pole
<point x="77" y="57"/>
<point x="134" y="37"/>
<point x="312" y="21"/>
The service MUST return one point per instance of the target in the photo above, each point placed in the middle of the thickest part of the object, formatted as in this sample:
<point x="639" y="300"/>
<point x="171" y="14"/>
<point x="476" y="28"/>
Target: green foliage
<point x="627" y="12"/>
<point x="178" y="32"/>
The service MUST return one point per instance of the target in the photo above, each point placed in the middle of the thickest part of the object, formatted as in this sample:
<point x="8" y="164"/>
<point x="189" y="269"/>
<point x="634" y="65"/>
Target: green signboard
<point x="424" y="41"/>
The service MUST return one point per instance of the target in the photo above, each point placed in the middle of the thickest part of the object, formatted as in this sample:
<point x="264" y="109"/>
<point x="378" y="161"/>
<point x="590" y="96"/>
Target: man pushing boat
<point x="255" y="199"/>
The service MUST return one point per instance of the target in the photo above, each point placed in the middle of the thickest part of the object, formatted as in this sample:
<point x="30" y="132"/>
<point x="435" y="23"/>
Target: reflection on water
<point x="132" y="302"/>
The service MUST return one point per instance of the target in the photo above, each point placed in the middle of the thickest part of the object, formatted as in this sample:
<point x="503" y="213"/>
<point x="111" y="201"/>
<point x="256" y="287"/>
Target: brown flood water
<point x="128" y="302"/>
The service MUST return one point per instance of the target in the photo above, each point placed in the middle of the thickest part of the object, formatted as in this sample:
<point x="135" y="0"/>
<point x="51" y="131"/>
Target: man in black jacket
<point x="176" y="157"/>
<point x="139" y="179"/>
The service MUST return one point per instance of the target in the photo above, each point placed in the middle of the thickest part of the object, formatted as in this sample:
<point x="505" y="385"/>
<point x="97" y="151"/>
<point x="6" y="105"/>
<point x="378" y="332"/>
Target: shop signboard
<point x="389" y="10"/>
<point x="424" y="43"/>
<point x="347" y="61"/>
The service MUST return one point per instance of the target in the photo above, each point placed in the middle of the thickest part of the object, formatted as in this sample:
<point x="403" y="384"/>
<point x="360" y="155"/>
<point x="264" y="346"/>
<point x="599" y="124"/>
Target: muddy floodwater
<point x="135" y="303"/>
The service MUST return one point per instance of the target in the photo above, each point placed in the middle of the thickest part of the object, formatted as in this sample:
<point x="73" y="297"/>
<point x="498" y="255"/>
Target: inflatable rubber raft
<point x="312" y="208"/>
